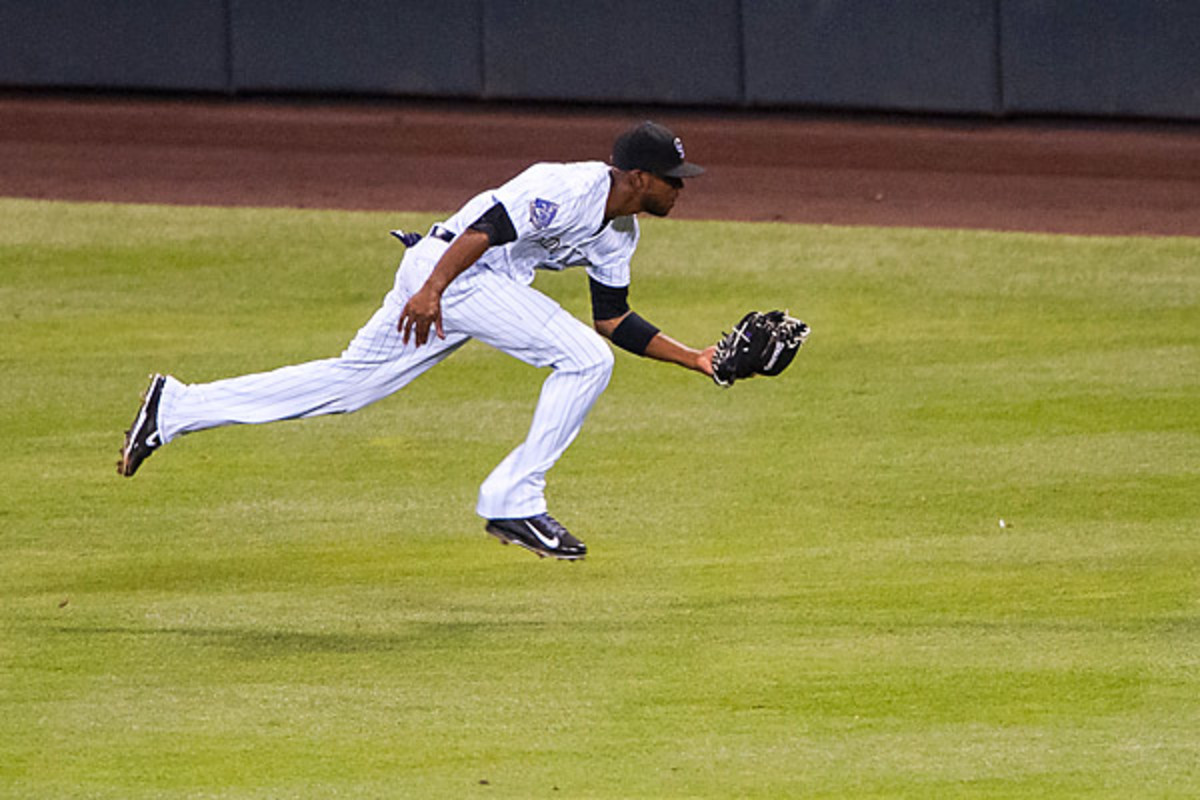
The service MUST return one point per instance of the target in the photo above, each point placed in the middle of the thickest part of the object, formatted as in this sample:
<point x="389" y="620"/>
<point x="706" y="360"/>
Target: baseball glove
<point x="763" y="343"/>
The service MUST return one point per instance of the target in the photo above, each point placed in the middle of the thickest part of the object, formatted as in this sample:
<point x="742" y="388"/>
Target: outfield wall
<point x="1134" y="58"/>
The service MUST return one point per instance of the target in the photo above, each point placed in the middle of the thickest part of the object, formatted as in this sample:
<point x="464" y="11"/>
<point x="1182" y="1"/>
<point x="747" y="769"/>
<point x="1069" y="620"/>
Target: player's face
<point x="660" y="194"/>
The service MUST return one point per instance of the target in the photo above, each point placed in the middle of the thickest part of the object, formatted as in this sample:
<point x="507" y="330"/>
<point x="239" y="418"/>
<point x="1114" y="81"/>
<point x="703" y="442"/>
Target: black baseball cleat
<point x="143" y="438"/>
<point x="541" y="534"/>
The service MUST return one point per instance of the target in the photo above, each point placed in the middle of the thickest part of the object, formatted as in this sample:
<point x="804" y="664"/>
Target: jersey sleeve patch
<point x="542" y="213"/>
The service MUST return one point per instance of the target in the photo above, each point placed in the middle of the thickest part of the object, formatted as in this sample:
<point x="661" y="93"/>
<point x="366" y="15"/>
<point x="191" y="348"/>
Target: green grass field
<point x="796" y="588"/>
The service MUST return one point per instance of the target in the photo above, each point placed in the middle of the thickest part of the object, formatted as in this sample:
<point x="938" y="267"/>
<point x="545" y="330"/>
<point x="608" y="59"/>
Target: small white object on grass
<point x="1002" y="525"/>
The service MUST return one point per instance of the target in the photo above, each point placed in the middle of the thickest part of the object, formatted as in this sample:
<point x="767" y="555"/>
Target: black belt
<point x="437" y="232"/>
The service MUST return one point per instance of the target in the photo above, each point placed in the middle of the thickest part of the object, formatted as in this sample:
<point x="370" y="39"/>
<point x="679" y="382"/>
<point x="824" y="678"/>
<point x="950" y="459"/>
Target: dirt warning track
<point x="1057" y="178"/>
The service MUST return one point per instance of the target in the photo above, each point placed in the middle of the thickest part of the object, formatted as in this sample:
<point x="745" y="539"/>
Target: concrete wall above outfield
<point x="1128" y="58"/>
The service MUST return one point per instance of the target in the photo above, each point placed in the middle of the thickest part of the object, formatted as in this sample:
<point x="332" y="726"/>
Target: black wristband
<point x="634" y="334"/>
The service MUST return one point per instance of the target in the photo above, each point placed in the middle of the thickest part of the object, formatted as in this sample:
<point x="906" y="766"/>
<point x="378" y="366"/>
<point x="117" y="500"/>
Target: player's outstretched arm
<point x="630" y="332"/>
<point x="664" y="348"/>
<point x="624" y="328"/>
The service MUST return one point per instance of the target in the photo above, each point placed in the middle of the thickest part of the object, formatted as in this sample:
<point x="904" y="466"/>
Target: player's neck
<point x="623" y="196"/>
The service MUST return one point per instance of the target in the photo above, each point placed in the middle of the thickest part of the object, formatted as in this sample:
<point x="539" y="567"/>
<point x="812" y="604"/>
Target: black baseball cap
<point x="653" y="148"/>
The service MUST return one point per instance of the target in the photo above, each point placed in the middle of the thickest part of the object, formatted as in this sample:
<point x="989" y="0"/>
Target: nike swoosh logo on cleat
<point x="550" y="543"/>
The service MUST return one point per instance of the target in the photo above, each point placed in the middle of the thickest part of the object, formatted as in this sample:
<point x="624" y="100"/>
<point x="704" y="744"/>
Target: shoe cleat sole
<point x="123" y="465"/>
<point x="504" y="539"/>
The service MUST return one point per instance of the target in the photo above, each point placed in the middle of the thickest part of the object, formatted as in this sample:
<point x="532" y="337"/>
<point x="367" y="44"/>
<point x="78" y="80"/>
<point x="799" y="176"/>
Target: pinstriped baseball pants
<point x="479" y="304"/>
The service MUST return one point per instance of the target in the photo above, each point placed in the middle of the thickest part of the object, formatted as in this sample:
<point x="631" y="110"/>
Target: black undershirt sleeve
<point x="498" y="226"/>
<point x="608" y="302"/>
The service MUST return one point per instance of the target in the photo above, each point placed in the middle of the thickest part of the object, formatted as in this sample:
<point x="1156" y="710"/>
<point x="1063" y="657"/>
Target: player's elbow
<point x="605" y="327"/>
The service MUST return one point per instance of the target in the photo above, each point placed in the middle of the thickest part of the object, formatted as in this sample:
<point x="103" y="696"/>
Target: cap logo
<point x="679" y="148"/>
<point x="541" y="213"/>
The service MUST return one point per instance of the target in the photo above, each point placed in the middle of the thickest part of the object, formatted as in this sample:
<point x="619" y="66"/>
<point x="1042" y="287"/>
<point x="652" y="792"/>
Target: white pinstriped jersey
<point x="557" y="211"/>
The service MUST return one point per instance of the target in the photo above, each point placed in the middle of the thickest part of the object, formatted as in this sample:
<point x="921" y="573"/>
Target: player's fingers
<point x="441" y="331"/>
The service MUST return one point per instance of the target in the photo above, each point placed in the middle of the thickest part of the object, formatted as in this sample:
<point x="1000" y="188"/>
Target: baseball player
<point x="469" y="278"/>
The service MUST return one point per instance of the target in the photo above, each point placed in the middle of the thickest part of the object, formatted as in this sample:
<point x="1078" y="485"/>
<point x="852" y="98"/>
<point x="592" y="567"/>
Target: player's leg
<point x="581" y="370"/>
<point x="526" y="324"/>
<point x="375" y="365"/>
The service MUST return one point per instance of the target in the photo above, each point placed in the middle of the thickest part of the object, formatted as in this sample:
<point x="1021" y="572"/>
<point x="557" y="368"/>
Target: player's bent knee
<point x="595" y="358"/>
<point x="581" y="349"/>
<point x="604" y="359"/>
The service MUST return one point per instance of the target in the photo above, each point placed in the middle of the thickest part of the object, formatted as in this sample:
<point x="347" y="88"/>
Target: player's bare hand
<point x="704" y="360"/>
<point x="422" y="312"/>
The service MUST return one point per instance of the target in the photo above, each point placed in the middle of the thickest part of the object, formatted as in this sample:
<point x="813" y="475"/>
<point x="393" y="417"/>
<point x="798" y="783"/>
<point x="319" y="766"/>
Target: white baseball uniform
<point x="557" y="211"/>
